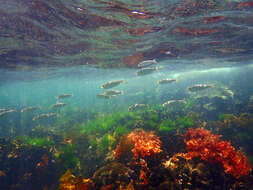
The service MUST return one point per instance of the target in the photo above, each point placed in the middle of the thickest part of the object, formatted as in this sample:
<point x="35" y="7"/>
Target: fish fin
<point x="124" y="81"/>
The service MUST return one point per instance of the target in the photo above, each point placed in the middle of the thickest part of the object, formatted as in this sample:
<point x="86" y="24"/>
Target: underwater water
<point x="126" y="95"/>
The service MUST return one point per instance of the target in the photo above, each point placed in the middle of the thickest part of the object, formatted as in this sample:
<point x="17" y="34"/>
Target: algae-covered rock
<point x="113" y="173"/>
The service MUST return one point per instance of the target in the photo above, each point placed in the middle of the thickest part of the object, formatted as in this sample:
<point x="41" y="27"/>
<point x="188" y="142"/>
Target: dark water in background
<point x="48" y="48"/>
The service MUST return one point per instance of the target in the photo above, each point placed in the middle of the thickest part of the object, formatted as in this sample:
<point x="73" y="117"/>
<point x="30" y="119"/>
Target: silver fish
<point x="6" y="112"/>
<point x="173" y="102"/>
<point x="145" y="71"/>
<point x="137" y="107"/>
<point x="147" y="63"/>
<point x="105" y="96"/>
<point x="4" y="109"/>
<point x="44" y="115"/>
<point x="199" y="87"/>
<point x="166" y="81"/>
<point x="58" y="105"/>
<point x="62" y="96"/>
<point x="112" y="84"/>
<point x="30" y="108"/>
<point x="113" y="92"/>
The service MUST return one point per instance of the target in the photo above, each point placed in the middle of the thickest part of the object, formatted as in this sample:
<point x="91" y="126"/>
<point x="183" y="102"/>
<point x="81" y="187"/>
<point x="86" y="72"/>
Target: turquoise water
<point x="131" y="140"/>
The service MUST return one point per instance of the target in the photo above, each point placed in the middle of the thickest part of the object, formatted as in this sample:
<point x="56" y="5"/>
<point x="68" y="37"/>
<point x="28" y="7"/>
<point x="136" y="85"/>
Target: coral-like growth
<point x="202" y="143"/>
<point x="142" y="144"/>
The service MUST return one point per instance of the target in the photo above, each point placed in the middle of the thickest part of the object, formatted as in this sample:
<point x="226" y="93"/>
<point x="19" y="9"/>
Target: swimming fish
<point x="105" y="96"/>
<point x="6" y="112"/>
<point x="137" y="107"/>
<point x="4" y="109"/>
<point x="173" y="102"/>
<point x="166" y="81"/>
<point x="147" y="63"/>
<point x="30" y="108"/>
<point x="199" y="87"/>
<point x="62" y="96"/>
<point x="145" y="71"/>
<point x="112" y="84"/>
<point x="44" y="115"/>
<point x="58" y="105"/>
<point x="113" y="92"/>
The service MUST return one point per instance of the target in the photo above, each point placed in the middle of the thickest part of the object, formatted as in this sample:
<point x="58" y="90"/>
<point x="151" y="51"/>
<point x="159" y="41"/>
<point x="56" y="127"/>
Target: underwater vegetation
<point x="143" y="166"/>
<point x="202" y="143"/>
<point x="179" y="123"/>
<point x="146" y="149"/>
<point x="36" y="141"/>
<point x="141" y="143"/>
<point x="67" y="157"/>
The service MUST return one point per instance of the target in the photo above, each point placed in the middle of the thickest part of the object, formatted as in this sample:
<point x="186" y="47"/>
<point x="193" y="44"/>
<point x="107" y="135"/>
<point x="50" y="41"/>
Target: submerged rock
<point x="113" y="173"/>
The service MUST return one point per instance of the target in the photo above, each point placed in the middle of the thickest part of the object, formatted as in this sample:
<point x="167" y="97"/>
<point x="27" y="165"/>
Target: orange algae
<point x="70" y="182"/>
<point x="202" y="143"/>
<point x="142" y="144"/>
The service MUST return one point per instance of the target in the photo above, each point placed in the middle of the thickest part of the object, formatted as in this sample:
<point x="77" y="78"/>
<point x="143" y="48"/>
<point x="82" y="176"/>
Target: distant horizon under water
<point x="126" y="95"/>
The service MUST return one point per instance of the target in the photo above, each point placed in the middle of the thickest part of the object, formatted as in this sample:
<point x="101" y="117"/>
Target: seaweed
<point x="36" y="141"/>
<point x="67" y="157"/>
<point x="179" y="123"/>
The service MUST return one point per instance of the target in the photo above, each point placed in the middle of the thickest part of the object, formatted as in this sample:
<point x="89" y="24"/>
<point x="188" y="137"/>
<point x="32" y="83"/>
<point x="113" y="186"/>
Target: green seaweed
<point x="179" y="123"/>
<point x="67" y="157"/>
<point x="221" y="116"/>
<point x="106" y="123"/>
<point x="105" y="143"/>
<point x="185" y="121"/>
<point x="120" y="130"/>
<point x="189" y="103"/>
<point x="39" y="142"/>
<point x="167" y="125"/>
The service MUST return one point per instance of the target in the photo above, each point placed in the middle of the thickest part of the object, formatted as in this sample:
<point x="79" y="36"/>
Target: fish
<point x="44" y="115"/>
<point x="113" y="92"/>
<point x="62" y="96"/>
<point x="166" y="81"/>
<point x="6" y="112"/>
<point x="4" y="109"/>
<point x="145" y="71"/>
<point x="58" y="104"/>
<point x="199" y="87"/>
<point x="173" y="102"/>
<point x="30" y="108"/>
<point x="147" y="63"/>
<point x="137" y="107"/>
<point x="105" y="96"/>
<point x="112" y="84"/>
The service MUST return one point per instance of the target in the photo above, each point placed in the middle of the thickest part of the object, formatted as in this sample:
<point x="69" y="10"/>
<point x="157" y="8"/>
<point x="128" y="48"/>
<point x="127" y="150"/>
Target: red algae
<point x="143" y="144"/>
<point x="202" y="143"/>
